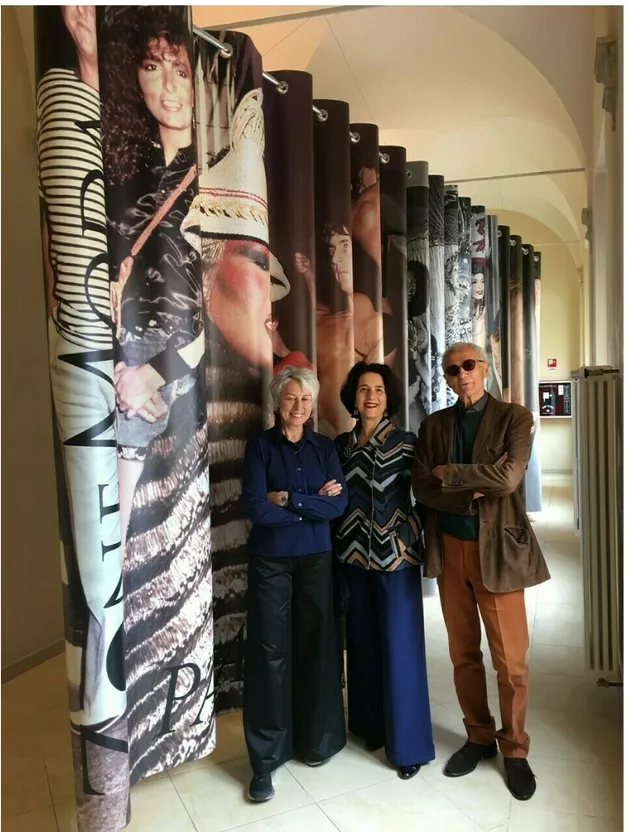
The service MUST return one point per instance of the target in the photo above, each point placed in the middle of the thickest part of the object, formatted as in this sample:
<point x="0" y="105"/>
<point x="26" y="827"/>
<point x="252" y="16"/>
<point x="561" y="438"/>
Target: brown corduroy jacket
<point x="510" y="556"/>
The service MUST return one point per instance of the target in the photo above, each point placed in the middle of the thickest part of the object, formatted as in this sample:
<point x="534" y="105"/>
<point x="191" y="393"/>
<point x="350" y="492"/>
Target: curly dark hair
<point x="391" y="386"/>
<point x="127" y="126"/>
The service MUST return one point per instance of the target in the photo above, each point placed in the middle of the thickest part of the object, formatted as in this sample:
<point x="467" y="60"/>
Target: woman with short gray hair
<point x="293" y="486"/>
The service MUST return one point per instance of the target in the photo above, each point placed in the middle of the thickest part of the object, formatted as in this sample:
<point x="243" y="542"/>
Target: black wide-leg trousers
<point x="293" y="701"/>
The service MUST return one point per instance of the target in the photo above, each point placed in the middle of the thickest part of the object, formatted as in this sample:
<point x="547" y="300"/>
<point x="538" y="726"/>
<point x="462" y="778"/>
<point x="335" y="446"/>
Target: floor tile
<point x="396" y="805"/>
<point x="41" y="820"/>
<point x="24" y="784"/>
<point x="215" y="797"/>
<point x="526" y="817"/>
<point x="481" y="795"/>
<point x="156" y="807"/>
<point x="353" y="768"/>
<point x="308" y="819"/>
<point x="577" y="787"/>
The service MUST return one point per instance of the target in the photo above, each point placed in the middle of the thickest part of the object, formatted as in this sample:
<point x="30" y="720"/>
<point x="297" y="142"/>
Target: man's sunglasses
<point x="468" y="365"/>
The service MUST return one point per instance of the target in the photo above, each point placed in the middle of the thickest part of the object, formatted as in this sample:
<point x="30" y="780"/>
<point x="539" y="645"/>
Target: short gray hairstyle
<point x="306" y="378"/>
<point x="481" y="355"/>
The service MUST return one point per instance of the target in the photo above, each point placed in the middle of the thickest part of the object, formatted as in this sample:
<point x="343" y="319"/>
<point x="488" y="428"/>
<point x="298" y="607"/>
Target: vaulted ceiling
<point x="478" y="92"/>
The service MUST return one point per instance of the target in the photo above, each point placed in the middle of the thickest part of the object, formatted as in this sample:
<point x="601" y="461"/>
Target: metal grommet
<point x="282" y="87"/>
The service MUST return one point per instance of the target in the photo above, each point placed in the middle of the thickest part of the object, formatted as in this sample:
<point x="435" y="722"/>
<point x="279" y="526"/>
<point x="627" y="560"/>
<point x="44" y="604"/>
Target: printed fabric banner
<point x="493" y="310"/>
<point x="531" y="378"/>
<point x="80" y="342"/>
<point x="290" y="167"/>
<point x="333" y="264"/>
<point x="451" y="272"/>
<point x="437" y="290"/>
<point x="479" y="266"/>
<point x="394" y="285"/>
<point x="465" y="268"/>
<point x="419" y="358"/>
<point x="146" y="60"/>
<point x="366" y="249"/>
<point x="504" y="264"/>
<point x="228" y="226"/>
<point x="517" y="323"/>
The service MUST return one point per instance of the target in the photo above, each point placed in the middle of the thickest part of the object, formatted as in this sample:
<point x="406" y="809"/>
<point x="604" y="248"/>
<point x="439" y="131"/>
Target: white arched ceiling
<point x="474" y="93"/>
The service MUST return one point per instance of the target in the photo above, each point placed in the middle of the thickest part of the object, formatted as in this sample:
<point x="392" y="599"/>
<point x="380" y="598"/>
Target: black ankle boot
<point x="465" y="760"/>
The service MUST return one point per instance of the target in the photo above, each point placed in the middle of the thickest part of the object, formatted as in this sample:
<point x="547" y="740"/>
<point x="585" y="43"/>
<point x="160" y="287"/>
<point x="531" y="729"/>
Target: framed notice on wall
<point x="555" y="399"/>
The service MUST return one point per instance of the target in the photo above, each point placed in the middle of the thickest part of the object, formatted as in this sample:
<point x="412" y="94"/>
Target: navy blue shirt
<point x="272" y="463"/>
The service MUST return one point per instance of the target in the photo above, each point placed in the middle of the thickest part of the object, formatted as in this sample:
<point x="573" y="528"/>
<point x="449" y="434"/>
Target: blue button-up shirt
<point x="272" y="463"/>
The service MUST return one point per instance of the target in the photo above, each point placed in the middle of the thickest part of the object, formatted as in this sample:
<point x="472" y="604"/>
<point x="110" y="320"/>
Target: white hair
<point x="306" y="378"/>
<point x="481" y="355"/>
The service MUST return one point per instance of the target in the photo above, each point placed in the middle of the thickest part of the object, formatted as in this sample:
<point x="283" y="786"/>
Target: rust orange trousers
<point x="463" y="595"/>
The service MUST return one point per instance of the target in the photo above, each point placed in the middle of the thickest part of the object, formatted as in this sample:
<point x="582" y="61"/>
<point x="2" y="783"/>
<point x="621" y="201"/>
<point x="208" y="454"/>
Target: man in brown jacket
<point x="469" y="463"/>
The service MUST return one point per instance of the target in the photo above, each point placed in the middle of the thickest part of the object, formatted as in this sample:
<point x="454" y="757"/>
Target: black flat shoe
<point x="406" y="772"/>
<point x="374" y="745"/>
<point x="465" y="760"/>
<point x="519" y="778"/>
<point x="315" y="763"/>
<point x="261" y="788"/>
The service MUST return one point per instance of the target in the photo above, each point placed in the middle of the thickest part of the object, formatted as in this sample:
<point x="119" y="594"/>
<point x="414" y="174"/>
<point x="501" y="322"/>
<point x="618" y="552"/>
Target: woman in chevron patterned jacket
<point x="378" y="542"/>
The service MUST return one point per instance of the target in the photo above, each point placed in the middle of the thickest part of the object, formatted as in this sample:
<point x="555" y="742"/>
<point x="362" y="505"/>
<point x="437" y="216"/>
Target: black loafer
<point x="519" y="778"/>
<point x="465" y="760"/>
<point x="261" y="788"/>
<point x="315" y="763"/>
<point x="406" y="772"/>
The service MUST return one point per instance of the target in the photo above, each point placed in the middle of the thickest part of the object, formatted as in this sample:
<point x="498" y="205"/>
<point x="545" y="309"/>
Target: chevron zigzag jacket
<point x="380" y="512"/>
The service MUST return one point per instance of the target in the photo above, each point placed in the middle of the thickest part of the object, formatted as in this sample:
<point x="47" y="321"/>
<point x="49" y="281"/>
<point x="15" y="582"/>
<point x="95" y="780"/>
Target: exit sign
<point x="552" y="363"/>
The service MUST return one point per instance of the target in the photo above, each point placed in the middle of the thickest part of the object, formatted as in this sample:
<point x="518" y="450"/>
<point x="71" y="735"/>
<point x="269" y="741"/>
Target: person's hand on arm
<point x="427" y="487"/>
<point x="503" y="477"/>
<point x="262" y="507"/>
<point x="331" y="500"/>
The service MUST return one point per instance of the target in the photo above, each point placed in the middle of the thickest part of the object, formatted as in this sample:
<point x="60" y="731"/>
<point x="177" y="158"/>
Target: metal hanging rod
<point x="227" y="50"/>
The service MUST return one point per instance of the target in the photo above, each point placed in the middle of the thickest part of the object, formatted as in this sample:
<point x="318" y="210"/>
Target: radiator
<point x="598" y="513"/>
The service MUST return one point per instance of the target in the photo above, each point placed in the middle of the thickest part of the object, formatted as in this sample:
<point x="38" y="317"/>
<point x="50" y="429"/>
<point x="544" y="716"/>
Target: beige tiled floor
<point x="576" y="749"/>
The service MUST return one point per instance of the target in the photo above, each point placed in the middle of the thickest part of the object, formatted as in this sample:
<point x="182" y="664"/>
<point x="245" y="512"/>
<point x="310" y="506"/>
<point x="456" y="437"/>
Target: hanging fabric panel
<point x="149" y="160"/>
<point x="334" y="269"/>
<point x="451" y="255"/>
<point x="451" y="272"/>
<point x="437" y="290"/>
<point x="537" y="259"/>
<point x="419" y="357"/>
<point x="465" y="268"/>
<point x="394" y="282"/>
<point x="504" y="264"/>
<point x="479" y="265"/>
<point x="229" y="224"/>
<point x="81" y="355"/>
<point x="290" y="167"/>
<point x="493" y="346"/>
<point x="366" y="245"/>
<point x="531" y="378"/>
<point x="517" y="332"/>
